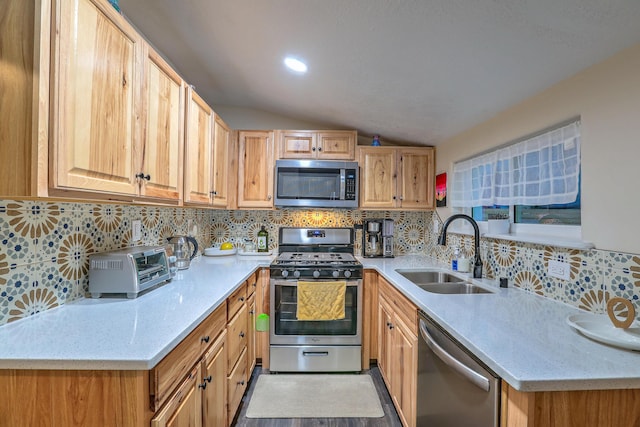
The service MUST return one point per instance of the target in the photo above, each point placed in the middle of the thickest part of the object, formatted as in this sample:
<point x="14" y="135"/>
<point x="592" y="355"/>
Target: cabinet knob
<point x="203" y="385"/>
<point x="319" y="148"/>
<point x="213" y="193"/>
<point x="313" y="148"/>
<point x="241" y="382"/>
<point x="241" y="334"/>
<point x="208" y="379"/>
<point x="269" y="197"/>
<point x="205" y="338"/>
<point x="241" y="299"/>
<point x="141" y="175"/>
<point x="251" y="312"/>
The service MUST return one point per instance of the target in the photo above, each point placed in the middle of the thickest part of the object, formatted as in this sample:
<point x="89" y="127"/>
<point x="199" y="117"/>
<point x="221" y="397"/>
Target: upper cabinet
<point x="327" y="145"/>
<point x="96" y="99"/>
<point x="117" y="108"/>
<point x="397" y="177"/>
<point x="161" y="171"/>
<point x="255" y="169"/>
<point x="222" y="167"/>
<point x="198" y="182"/>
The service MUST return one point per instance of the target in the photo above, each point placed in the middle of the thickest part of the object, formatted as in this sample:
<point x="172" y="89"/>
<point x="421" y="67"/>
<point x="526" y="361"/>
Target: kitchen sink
<point x="429" y="276"/>
<point x="441" y="282"/>
<point x="453" y="288"/>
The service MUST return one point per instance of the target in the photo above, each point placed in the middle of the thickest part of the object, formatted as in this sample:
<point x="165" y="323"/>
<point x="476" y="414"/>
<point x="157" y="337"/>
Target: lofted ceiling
<point x="411" y="70"/>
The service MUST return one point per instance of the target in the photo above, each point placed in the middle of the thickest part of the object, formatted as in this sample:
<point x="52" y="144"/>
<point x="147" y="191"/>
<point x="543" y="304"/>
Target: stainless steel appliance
<point x="377" y="238"/>
<point x="315" y="254"/>
<point x="316" y="183"/>
<point x="454" y="389"/>
<point x="185" y="248"/>
<point x="127" y="271"/>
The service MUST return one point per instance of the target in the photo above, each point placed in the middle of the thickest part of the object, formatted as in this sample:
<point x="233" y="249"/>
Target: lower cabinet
<point x="184" y="408"/>
<point x="214" y="393"/>
<point x="398" y="350"/>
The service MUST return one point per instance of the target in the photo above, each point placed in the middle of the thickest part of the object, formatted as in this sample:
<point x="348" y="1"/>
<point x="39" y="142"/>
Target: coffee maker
<point x="377" y="238"/>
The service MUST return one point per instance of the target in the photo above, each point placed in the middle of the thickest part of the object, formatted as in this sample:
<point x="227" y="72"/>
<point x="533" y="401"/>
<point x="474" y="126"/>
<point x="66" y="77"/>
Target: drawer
<point x="236" y="337"/>
<point x="171" y="370"/>
<point x="186" y="399"/>
<point x="236" y="300"/>
<point x="236" y="385"/>
<point x="252" y="284"/>
<point x="400" y="304"/>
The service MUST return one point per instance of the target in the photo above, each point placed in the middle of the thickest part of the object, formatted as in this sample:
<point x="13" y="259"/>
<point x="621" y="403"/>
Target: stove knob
<point x="285" y="273"/>
<point x="316" y="274"/>
<point x="347" y="274"/>
<point x="336" y="274"/>
<point x="296" y="274"/>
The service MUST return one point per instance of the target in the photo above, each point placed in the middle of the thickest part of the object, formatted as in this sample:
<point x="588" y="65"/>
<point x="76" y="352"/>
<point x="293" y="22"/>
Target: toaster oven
<point x="128" y="271"/>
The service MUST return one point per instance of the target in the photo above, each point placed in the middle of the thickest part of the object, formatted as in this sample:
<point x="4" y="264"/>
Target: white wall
<point x="607" y="98"/>
<point x="252" y="119"/>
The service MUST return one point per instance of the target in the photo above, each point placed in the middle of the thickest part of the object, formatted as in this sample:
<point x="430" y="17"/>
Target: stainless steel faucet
<point x="442" y="240"/>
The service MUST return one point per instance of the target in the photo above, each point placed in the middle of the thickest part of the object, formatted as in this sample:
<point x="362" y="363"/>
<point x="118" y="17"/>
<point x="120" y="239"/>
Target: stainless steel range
<point x="323" y="257"/>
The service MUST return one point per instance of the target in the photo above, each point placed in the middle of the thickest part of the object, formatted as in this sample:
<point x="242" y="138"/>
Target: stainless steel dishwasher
<point x="454" y="389"/>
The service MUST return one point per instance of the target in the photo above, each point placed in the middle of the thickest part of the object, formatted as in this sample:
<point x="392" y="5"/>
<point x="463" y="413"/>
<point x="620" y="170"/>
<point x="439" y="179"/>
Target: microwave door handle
<point x="452" y="362"/>
<point x="343" y="185"/>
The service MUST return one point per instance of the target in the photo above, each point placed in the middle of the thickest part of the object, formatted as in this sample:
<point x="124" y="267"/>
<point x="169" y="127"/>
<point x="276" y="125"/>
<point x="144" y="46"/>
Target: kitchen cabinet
<point x="184" y="408"/>
<point x="237" y="336"/>
<point x="320" y="145"/>
<point x="397" y="177"/>
<point x="369" y="317"/>
<point x="160" y="174"/>
<point x="255" y="169"/>
<point x="398" y="349"/>
<point x="24" y="104"/>
<point x="198" y="185"/>
<point x="117" y="110"/>
<point x="222" y="166"/>
<point x="96" y="102"/>
<point x="252" y="285"/>
<point x="262" y="306"/>
<point x="214" y="393"/>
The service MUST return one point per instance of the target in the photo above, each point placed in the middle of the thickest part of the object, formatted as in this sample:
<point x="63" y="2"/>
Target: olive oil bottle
<point x="263" y="240"/>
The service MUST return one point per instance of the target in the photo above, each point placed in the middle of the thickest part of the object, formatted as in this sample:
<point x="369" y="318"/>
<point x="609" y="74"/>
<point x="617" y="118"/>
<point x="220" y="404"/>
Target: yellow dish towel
<point x="321" y="300"/>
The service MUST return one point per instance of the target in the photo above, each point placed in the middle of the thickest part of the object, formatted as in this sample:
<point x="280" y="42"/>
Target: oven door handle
<point x="315" y="353"/>
<point x="452" y="362"/>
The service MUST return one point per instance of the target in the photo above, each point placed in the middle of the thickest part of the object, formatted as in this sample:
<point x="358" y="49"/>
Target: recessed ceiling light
<point x="295" y="65"/>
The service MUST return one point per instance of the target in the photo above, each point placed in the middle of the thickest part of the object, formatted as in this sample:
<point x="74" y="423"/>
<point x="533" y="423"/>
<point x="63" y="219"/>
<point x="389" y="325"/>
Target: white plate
<point x="218" y="252"/>
<point x="254" y="253"/>
<point x="600" y="328"/>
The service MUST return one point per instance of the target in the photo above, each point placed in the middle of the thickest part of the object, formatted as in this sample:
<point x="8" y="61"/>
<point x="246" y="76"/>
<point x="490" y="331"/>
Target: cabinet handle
<point x="241" y="334"/>
<point x="241" y="299"/>
<point x="141" y="175"/>
<point x="213" y="193"/>
<point x="205" y="338"/>
<point x="203" y="385"/>
<point x="319" y="148"/>
<point x="313" y="148"/>
<point x="394" y="197"/>
<point x="241" y="382"/>
<point x="269" y="197"/>
<point x="124" y="80"/>
<point x="251" y="312"/>
<point x="207" y="379"/>
<point x="255" y="284"/>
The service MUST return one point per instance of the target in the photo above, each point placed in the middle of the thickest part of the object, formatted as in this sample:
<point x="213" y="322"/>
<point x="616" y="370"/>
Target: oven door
<point x="285" y="328"/>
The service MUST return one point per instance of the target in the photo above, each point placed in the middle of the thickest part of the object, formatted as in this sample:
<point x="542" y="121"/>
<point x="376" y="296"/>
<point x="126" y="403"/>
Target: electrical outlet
<point x="561" y="270"/>
<point x="136" y="230"/>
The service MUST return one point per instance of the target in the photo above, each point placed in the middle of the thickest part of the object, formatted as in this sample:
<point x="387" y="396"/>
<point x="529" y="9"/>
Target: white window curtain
<point x="541" y="170"/>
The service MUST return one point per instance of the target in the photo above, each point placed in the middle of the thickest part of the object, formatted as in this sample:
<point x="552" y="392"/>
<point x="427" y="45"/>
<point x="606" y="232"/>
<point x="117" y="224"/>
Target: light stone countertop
<point x="120" y="333"/>
<point x="522" y="337"/>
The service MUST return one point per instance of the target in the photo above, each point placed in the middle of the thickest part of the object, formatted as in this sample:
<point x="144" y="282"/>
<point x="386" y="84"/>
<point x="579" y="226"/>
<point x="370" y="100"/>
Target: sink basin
<point x="429" y="276"/>
<point x="441" y="282"/>
<point x="454" y="288"/>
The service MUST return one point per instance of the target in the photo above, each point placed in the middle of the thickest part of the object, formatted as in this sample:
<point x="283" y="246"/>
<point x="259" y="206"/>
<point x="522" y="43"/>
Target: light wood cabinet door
<point x="297" y="144"/>
<point x="221" y="164"/>
<point x="184" y="408"/>
<point x="337" y="145"/>
<point x="251" y="334"/>
<point x="214" y="374"/>
<point x="255" y="169"/>
<point x="404" y="373"/>
<point x="160" y="173"/>
<point x="385" y="340"/>
<point x="96" y="103"/>
<point x="377" y="177"/>
<point x="236" y="337"/>
<point x="417" y="178"/>
<point x="198" y="151"/>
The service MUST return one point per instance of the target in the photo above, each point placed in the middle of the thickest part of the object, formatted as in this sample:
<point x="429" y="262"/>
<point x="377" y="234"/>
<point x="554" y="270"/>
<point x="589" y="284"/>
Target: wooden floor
<point x="390" y="418"/>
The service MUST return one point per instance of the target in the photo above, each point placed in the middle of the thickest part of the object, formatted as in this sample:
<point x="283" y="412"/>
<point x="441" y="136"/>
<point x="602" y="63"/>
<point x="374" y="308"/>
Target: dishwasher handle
<point x="468" y="373"/>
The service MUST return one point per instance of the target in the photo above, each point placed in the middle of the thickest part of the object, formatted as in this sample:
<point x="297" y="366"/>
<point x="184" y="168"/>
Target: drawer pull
<point x="241" y="299"/>
<point x="205" y="339"/>
<point x="251" y="312"/>
<point x="241" y="382"/>
<point x="208" y="379"/>
<point x="241" y="334"/>
<point x="203" y="385"/>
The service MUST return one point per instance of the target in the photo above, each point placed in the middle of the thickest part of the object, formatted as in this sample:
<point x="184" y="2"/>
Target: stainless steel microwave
<point x="316" y="184"/>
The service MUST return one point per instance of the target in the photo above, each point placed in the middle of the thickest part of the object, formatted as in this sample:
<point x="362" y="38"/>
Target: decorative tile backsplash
<point x="45" y="248"/>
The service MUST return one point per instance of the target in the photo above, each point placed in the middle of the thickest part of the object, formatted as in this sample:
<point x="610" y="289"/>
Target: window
<point x="534" y="180"/>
